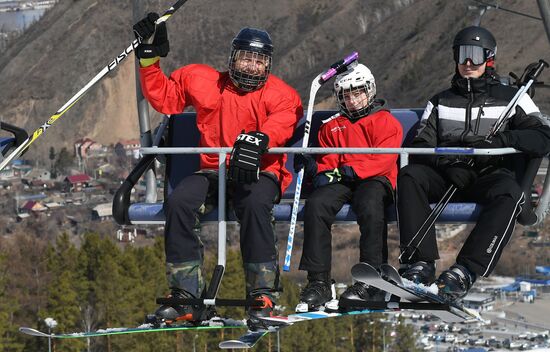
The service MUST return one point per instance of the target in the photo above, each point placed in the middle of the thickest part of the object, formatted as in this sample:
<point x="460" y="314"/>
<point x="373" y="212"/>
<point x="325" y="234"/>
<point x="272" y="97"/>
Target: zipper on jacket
<point x="468" y="112"/>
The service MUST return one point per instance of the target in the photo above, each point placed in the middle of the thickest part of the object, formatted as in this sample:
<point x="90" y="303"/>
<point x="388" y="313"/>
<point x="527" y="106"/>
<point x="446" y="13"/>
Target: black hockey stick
<point x="410" y="249"/>
<point x="110" y="67"/>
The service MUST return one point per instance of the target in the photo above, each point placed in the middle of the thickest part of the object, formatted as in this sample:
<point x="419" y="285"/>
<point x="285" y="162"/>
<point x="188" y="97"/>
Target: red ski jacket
<point x="223" y="111"/>
<point x="378" y="130"/>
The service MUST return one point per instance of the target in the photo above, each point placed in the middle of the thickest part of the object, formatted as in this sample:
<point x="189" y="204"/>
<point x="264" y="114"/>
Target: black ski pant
<point x="253" y="205"/>
<point x="498" y="192"/>
<point x="369" y="199"/>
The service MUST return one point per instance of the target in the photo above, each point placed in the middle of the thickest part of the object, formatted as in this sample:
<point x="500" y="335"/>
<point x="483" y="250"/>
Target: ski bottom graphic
<point x="145" y="328"/>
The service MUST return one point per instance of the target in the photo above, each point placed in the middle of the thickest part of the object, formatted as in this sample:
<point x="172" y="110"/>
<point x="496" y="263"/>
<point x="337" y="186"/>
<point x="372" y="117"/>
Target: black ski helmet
<point x="258" y="43"/>
<point x="476" y="36"/>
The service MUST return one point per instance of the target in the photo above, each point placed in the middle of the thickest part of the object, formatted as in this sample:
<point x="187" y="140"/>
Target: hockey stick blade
<point x="75" y="98"/>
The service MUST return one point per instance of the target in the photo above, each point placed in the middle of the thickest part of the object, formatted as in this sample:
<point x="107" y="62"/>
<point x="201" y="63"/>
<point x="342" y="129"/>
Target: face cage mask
<point x="358" y="106"/>
<point x="476" y="54"/>
<point x="253" y="76"/>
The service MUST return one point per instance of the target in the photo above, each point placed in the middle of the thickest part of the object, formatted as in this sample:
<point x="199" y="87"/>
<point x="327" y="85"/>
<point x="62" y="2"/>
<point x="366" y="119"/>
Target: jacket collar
<point x="465" y="86"/>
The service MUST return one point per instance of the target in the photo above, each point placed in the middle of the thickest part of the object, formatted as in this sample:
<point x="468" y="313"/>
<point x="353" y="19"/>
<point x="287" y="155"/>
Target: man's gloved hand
<point x="306" y="162"/>
<point x="499" y="140"/>
<point x="460" y="174"/>
<point x="328" y="177"/>
<point x="245" y="160"/>
<point x="154" y="38"/>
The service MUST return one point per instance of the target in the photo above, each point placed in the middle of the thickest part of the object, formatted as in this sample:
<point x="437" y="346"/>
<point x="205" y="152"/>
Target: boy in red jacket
<point x="367" y="181"/>
<point x="245" y="107"/>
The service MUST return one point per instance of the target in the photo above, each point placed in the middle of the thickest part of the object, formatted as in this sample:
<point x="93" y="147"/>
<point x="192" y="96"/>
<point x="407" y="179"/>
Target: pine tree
<point x="65" y="289"/>
<point x="8" y="305"/>
<point x="405" y="339"/>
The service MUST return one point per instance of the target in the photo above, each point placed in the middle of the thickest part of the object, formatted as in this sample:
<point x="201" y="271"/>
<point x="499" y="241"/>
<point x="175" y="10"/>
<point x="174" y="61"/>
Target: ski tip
<point x="230" y="344"/>
<point x="358" y="269"/>
<point x="33" y="332"/>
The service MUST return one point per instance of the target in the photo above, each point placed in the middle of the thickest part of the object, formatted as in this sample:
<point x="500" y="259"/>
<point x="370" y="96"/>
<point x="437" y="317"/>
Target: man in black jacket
<point x="462" y="116"/>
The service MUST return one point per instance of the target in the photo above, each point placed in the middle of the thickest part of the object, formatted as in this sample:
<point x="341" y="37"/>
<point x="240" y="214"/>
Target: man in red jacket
<point x="247" y="108"/>
<point x="367" y="181"/>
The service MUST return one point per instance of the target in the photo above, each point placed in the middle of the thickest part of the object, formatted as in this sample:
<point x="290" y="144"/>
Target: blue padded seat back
<point x="183" y="132"/>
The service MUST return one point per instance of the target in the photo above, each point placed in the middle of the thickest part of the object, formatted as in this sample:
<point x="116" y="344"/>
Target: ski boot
<point x="361" y="292"/>
<point x="455" y="282"/>
<point x="317" y="292"/>
<point x="170" y="314"/>
<point x="420" y="272"/>
<point x="265" y="310"/>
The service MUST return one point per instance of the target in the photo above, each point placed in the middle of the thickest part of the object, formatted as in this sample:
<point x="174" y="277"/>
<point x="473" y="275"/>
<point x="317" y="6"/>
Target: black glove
<point x="244" y="164"/>
<point x="348" y="173"/>
<point x="499" y="140"/>
<point x="306" y="162"/>
<point x="460" y="174"/>
<point x="328" y="177"/>
<point x="154" y="39"/>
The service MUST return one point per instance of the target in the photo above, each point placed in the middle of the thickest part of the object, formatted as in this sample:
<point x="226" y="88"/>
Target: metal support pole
<point x="222" y="225"/>
<point x="145" y="137"/>
<point x="544" y="7"/>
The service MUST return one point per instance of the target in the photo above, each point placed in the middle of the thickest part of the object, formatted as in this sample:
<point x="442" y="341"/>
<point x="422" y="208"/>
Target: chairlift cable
<point x="498" y="7"/>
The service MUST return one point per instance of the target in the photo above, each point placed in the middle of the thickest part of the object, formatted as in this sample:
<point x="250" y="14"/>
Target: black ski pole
<point x="69" y="104"/>
<point x="440" y="206"/>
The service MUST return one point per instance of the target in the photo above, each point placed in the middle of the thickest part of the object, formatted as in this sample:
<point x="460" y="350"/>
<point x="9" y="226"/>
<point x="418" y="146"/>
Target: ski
<point x="275" y="323"/>
<point x="246" y="341"/>
<point x="145" y="328"/>
<point x="438" y="306"/>
<point x="455" y="307"/>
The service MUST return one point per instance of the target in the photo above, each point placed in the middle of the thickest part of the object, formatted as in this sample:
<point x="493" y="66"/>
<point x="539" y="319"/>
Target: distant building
<point x="38" y="174"/>
<point x="88" y="148"/>
<point x="128" y="234"/>
<point x="53" y="205"/>
<point x="128" y="148"/>
<point x="33" y="206"/>
<point x="102" y="212"/>
<point x="76" y="183"/>
<point x="479" y="302"/>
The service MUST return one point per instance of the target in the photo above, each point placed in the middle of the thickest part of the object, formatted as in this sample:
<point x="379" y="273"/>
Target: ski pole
<point x="318" y="81"/>
<point x="110" y="67"/>
<point x="438" y="209"/>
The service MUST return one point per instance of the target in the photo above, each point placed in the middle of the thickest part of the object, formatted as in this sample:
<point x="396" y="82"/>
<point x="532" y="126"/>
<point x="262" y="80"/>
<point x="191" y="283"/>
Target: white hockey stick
<point x="321" y="79"/>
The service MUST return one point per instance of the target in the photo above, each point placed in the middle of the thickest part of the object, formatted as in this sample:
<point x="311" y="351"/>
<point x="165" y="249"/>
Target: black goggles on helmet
<point x="476" y="54"/>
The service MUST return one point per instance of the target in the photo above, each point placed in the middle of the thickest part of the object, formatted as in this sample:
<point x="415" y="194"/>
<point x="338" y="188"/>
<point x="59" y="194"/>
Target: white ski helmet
<point x="348" y="89"/>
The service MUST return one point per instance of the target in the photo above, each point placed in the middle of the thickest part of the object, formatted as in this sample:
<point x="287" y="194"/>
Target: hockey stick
<point x="318" y="81"/>
<point x="110" y="67"/>
<point x="438" y="209"/>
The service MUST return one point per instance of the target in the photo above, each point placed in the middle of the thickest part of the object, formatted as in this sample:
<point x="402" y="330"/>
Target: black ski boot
<point x="265" y="310"/>
<point x="455" y="282"/>
<point x="360" y="291"/>
<point x="318" y="290"/>
<point x="170" y="314"/>
<point x="420" y="272"/>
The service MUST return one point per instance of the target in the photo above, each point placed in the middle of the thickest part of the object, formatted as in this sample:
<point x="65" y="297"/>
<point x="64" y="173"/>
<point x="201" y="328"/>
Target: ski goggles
<point x="476" y="54"/>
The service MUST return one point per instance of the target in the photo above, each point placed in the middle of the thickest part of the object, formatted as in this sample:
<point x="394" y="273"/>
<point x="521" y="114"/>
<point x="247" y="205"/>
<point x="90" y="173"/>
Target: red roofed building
<point x="31" y="205"/>
<point x="75" y="183"/>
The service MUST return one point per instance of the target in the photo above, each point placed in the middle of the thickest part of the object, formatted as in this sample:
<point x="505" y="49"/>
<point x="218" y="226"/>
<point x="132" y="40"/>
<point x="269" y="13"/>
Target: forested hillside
<point x="100" y="285"/>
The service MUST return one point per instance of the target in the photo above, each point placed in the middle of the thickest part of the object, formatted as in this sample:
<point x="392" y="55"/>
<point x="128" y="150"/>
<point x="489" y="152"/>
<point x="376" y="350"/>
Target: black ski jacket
<point x="471" y="107"/>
